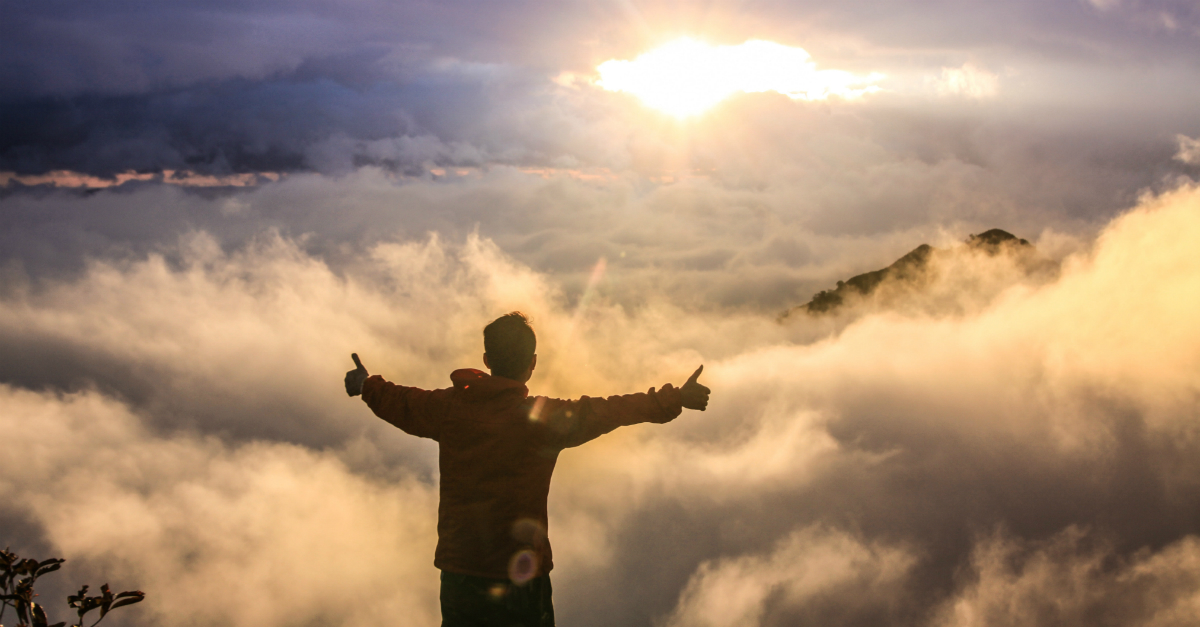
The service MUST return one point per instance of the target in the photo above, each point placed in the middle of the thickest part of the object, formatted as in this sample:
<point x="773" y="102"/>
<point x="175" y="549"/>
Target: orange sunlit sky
<point x="205" y="208"/>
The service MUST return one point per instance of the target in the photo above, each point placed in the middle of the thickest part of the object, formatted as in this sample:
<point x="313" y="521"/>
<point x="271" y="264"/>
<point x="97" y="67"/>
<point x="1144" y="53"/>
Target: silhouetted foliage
<point x="17" y="581"/>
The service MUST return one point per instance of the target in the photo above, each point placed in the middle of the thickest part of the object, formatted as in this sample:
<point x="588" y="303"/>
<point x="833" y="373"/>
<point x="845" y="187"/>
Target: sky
<point x="206" y="207"/>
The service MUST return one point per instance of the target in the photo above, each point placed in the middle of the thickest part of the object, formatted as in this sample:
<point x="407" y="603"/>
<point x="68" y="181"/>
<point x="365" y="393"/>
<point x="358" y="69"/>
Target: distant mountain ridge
<point x="913" y="269"/>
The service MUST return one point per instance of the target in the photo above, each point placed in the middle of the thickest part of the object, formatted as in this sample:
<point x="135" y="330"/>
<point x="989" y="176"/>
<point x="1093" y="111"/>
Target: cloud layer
<point x="176" y="423"/>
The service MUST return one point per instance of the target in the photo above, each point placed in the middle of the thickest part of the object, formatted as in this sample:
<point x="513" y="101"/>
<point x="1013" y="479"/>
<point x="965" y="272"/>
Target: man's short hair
<point x="510" y="344"/>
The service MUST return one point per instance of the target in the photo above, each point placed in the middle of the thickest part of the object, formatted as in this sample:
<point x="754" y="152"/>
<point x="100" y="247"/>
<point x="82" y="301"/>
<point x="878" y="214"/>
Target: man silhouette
<point x="497" y="450"/>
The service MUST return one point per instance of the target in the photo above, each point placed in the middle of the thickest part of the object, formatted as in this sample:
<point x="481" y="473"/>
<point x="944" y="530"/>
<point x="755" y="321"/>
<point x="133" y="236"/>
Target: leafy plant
<point x="19" y="576"/>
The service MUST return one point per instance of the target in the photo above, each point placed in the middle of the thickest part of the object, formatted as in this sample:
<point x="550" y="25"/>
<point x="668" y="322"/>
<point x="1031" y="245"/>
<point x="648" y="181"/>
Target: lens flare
<point x="687" y="77"/>
<point x="522" y="567"/>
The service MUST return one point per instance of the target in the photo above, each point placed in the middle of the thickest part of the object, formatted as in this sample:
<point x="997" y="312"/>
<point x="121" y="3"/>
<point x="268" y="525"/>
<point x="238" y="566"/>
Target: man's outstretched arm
<point x="415" y="411"/>
<point x="588" y="418"/>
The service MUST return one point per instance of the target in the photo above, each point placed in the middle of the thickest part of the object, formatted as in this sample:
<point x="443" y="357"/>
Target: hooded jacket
<point x="497" y="450"/>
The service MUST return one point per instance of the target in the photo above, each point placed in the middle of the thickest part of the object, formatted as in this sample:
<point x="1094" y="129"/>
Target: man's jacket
<point x="498" y="447"/>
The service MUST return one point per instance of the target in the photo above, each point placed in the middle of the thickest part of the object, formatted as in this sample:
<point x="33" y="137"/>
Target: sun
<point x="686" y="77"/>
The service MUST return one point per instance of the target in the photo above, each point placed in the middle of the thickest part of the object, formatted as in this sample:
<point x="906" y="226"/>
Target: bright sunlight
<point x="687" y="77"/>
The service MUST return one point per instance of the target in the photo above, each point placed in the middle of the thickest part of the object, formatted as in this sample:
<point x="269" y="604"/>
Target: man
<point x="497" y="450"/>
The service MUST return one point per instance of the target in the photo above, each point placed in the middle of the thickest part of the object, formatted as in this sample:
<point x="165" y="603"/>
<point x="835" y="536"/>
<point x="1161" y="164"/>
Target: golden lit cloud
<point x="686" y="77"/>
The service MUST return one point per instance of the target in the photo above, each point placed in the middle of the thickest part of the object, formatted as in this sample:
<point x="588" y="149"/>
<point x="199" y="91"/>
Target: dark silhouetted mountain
<point x="913" y="272"/>
<point x="995" y="240"/>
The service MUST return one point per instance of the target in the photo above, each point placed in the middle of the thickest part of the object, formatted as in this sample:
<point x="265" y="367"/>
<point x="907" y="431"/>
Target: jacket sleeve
<point x="572" y="423"/>
<point x="415" y="411"/>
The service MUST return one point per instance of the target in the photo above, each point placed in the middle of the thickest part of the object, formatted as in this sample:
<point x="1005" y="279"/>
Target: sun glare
<point x="687" y="77"/>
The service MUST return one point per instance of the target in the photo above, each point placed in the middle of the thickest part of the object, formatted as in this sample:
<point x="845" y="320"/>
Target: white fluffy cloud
<point x="245" y="534"/>
<point x="807" y="567"/>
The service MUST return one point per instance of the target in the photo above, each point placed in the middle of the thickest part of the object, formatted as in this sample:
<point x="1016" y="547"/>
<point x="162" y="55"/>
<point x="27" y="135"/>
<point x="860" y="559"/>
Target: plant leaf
<point x="39" y="616"/>
<point x="106" y="600"/>
<point x="48" y="569"/>
<point x="76" y="599"/>
<point x="127" y="601"/>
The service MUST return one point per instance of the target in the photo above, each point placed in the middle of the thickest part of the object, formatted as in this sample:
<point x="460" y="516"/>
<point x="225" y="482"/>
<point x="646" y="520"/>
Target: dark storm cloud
<point x="233" y="126"/>
<point x="108" y="87"/>
<point x="117" y="47"/>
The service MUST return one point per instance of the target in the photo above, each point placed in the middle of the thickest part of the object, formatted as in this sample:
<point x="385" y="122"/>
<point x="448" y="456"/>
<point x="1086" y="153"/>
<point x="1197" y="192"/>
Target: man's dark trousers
<point x="469" y="601"/>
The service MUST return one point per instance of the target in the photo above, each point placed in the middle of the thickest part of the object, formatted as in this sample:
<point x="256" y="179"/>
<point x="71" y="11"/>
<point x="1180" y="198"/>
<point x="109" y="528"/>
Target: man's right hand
<point x="694" y="395"/>
<point x="355" y="378"/>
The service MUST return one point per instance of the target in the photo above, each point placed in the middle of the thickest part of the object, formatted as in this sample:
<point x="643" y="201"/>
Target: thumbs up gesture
<point x="694" y="395"/>
<point x="355" y="378"/>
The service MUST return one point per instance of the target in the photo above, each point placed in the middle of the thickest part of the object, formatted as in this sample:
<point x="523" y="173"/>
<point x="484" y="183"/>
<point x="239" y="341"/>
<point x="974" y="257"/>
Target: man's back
<point x="497" y="451"/>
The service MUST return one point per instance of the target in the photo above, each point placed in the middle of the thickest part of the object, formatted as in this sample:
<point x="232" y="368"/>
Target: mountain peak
<point x="911" y="272"/>
<point x="994" y="239"/>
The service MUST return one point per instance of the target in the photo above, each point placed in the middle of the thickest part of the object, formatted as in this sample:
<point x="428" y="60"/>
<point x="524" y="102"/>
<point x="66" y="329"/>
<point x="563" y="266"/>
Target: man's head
<point x="509" y="345"/>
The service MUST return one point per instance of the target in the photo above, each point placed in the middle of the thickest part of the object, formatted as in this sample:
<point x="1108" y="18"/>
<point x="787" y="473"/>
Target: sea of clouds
<point x="174" y="419"/>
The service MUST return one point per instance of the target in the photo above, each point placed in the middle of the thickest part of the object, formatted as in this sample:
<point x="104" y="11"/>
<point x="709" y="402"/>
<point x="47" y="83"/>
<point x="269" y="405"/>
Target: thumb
<point x="695" y="375"/>
<point x="358" y="363"/>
